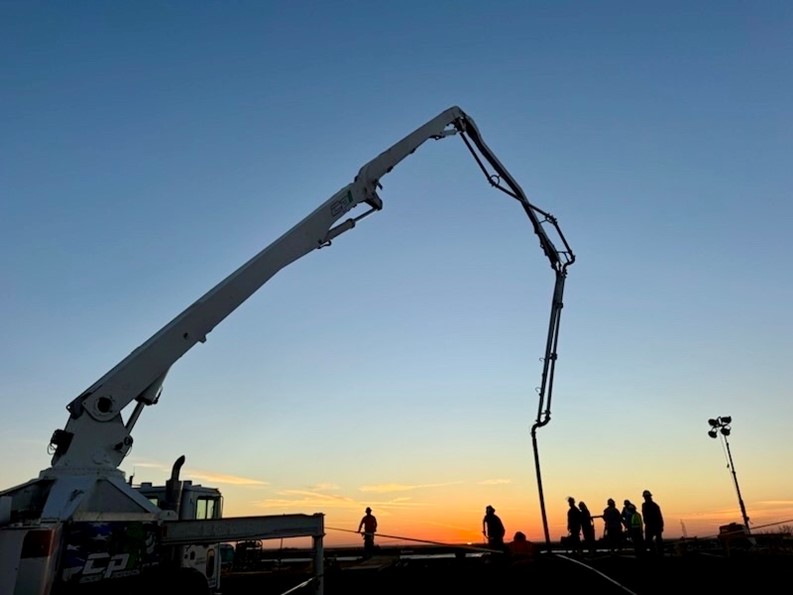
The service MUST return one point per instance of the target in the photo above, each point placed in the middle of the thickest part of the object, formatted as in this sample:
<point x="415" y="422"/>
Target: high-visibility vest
<point x="636" y="521"/>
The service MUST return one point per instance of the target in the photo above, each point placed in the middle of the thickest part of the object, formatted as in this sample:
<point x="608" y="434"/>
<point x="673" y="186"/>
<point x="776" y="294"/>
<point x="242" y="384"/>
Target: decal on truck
<point x="96" y="551"/>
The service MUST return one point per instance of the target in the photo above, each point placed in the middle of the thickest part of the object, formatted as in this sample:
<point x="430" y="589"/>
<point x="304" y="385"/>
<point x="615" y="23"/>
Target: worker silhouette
<point x="636" y="530"/>
<point x="612" y="519"/>
<point x="520" y="549"/>
<point x="573" y="526"/>
<point x="653" y="524"/>
<point x="368" y="527"/>
<point x="626" y="517"/>
<point x="587" y="527"/>
<point x="493" y="529"/>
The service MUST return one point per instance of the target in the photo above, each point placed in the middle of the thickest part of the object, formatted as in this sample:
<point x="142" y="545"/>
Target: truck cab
<point x="190" y="502"/>
<point x="195" y="501"/>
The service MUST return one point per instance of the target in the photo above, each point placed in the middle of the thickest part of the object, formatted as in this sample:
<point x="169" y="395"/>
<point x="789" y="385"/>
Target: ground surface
<point x="548" y="573"/>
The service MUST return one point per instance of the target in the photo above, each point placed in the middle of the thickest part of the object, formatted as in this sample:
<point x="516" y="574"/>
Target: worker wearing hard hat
<point x="368" y="527"/>
<point x="653" y="524"/>
<point x="493" y="529"/>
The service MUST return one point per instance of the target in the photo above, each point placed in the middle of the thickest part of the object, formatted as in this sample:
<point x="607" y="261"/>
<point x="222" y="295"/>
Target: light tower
<point x="721" y="427"/>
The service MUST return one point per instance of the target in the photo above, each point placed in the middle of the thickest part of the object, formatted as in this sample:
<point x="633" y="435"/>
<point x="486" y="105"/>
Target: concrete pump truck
<point x="80" y="527"/>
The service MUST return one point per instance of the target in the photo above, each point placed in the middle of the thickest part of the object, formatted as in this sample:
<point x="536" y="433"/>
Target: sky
<point x="151" y="148"/>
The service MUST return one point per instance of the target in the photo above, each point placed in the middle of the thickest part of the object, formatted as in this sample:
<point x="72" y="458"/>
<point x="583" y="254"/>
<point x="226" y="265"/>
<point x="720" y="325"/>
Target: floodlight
<point x="713" y="433"/>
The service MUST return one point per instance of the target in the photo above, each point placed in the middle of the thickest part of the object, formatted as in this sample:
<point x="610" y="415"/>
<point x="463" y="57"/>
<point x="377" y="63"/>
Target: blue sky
<point x="151" y="148"/>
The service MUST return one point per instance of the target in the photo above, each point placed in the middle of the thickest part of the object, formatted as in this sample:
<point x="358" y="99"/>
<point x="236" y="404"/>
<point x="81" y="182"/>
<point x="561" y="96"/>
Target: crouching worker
<point x="520" y="549"/>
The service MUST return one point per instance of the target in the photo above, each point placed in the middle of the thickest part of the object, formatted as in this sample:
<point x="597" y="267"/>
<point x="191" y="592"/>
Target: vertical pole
<point x="319" y="566"/>
<point x="540" y="489"/>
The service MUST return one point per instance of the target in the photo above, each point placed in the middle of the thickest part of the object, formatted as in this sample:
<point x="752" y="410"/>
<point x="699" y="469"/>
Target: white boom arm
<point x="96" y="437"/>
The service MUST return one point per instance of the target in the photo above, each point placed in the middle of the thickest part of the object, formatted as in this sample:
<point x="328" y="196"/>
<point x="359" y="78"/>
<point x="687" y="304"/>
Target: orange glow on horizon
<point x="405" y="532"/>
<point x="450" y="515"/>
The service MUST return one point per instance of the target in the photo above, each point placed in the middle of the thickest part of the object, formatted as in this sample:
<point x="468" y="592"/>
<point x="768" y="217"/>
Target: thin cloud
<point x="396" y="503"/>
<point x="223" y="479"/>
<point x="313" y="494"/>
<point x="151" y="466"/>
<point x="304" y="499"/>
<point x="137" y="465"/>
<point x="494" y="482"/>
<point x="386" y="488"/>
<point x="148" y="464"/>
<point x="210" y="477"/>
<point x="320" y="487"/>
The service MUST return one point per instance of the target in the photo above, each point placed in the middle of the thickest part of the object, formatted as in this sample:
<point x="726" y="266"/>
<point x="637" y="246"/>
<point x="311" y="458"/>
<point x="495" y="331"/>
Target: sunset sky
<point x="151" y="148"/>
